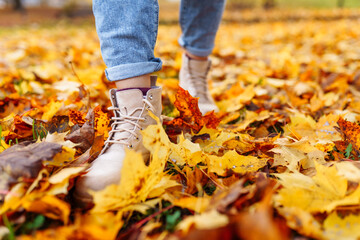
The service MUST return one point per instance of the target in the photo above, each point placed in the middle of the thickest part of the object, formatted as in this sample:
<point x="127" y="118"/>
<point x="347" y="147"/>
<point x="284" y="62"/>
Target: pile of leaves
<point x="279" y="161"/>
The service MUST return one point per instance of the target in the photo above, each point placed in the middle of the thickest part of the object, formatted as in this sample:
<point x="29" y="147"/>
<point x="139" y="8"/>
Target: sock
<point x="143" y="90"/>
<point x="195" y="59"/>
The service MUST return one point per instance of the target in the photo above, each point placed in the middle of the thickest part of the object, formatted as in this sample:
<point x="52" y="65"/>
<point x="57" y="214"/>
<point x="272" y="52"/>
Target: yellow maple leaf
<point x="325" y="128"/>
<point x="349" y="171"/>
<point x="165" y="183"/>
<point x="207" y="220"/>
<point x="296" y="154"/>
<point x="137" y="180"/>
<point x="3" y="145"/>
<point x="64" y="174"/>
<point x="197" y="204"/>
<point x="250" y="118"/>
<point x="289" y="157"/>
<point x="235" y="103"/>
<point x="236" y="162"/>
<point x="217" y="140"/>
<point x="86" y="226"/>
<point x="68" y="150"/>
<point x="40" y="196"/>
<point x="13" y="198"/>
<point x="347" y="227"/>
<point x="321" y="193"/>
<point x="51" y="109"/>
<point x="302" y="221"/>
<point x="50" y="206"/>
<point x="300" y="126"/>
<point x="186" y="152"/>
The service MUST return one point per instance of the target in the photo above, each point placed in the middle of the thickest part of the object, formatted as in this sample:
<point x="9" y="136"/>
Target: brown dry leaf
<point x="84" y="136"/>
<point x="223" y="200"/>
<point x="27" y="161"/>
<point x="260" y="223"/>
<point x="20" y="129"/>
<point x="194" y="178"/>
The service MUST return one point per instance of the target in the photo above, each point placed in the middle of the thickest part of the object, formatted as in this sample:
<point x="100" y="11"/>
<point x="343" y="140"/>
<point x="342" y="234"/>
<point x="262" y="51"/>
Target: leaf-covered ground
<point x="280" y="161"/>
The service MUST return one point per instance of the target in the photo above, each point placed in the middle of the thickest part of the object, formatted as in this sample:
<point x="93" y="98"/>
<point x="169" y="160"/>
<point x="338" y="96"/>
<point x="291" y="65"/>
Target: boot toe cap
<point x="103" y="172"/>
<point x="207" y="107"/>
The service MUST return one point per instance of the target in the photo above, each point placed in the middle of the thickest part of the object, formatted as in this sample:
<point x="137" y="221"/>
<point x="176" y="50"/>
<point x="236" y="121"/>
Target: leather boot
<point x="193" y="74"/>
<point x="131" y="114"/>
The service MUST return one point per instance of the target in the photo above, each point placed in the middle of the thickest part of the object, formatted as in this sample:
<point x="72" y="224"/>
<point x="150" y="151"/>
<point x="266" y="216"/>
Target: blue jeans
<point x="127" y="30"/>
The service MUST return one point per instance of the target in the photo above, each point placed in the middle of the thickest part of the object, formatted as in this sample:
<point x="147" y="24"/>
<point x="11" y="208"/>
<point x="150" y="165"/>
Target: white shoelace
<point x="116" y="126"/>
<point x="199" y="84"/>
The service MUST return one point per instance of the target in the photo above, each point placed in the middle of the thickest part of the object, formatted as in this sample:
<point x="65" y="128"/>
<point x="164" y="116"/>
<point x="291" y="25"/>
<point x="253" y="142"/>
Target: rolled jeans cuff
<point x="195" y="51"/>
<point x="130" y="70"/>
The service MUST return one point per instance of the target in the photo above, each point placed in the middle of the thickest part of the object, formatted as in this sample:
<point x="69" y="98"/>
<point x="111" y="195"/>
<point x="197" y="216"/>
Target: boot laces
<point x="120" y="119"/>
<point x="199" y="84"/>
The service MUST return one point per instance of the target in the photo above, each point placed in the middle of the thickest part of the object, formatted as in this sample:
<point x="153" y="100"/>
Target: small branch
<point x="148" y="218"/>
<point x="142" y="222"/>
<point x="217" y="184"/>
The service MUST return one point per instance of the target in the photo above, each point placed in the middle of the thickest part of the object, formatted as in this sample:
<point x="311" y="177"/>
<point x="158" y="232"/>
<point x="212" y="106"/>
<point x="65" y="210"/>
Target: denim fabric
<point x="200" y="20"/>
<point x="127" y="30"/>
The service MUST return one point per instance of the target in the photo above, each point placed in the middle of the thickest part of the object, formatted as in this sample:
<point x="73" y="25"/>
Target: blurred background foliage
<point x="295" y="3"/>
<point x="73" y="4"/>
<point x="25" y="12"/>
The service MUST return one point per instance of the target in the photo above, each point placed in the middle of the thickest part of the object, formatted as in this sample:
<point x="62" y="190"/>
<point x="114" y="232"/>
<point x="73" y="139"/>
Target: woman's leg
<point x="199" y="20"/>
<point x="127" y="30"/>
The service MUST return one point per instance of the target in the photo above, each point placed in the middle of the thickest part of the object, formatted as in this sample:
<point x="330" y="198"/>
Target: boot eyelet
<point x="130" y="146"/>
<point x="151" y="97"/>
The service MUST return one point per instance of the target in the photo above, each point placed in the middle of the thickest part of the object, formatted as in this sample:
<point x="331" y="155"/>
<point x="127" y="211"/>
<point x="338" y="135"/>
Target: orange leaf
<point x="190" y="115"/>
<point x="101" y="121"/>
<point x="351" y="133"/>
<point x="77" y="117"/>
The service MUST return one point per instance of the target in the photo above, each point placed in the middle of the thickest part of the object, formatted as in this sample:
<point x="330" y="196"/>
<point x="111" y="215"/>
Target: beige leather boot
<point x="131" y="114"/>
<point x="192" y="77"/>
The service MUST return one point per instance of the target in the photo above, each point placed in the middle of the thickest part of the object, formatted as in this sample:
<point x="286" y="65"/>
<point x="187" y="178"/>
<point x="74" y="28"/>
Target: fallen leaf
<point x="207" y="220"/>
<point x="234" y="162"/>
<point x="84" y="136"/>
<point x="26" y="161"/>
<point x="137" y="180"/>
<point x="190" y="116"/>
<point x="321" y="193"/>
<point x="346" y="227"/>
